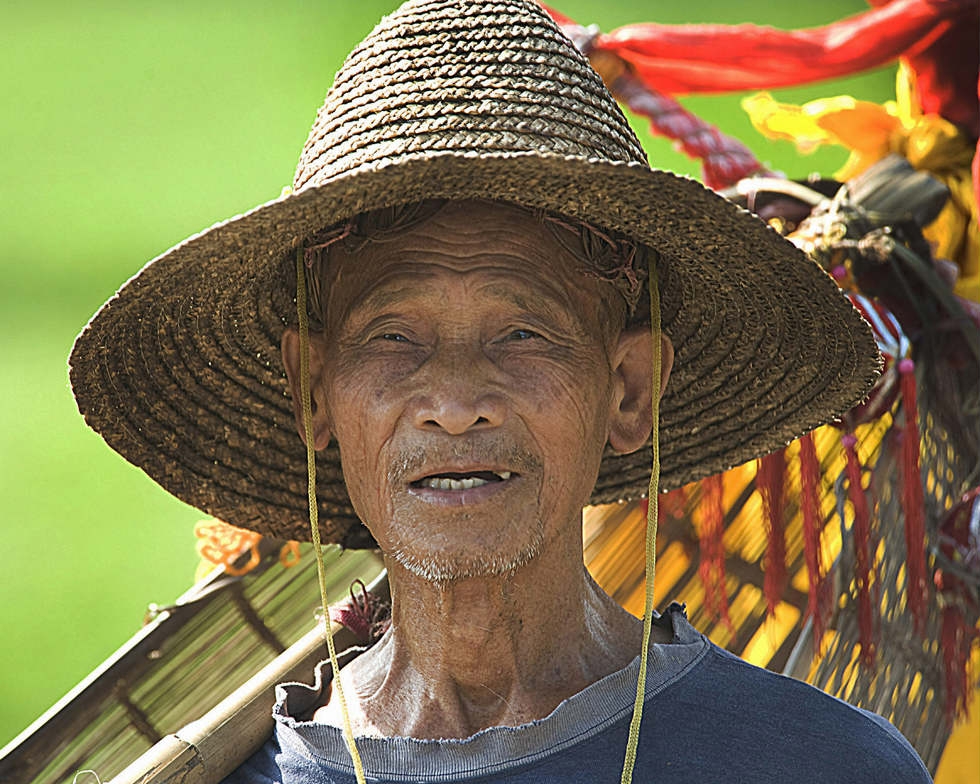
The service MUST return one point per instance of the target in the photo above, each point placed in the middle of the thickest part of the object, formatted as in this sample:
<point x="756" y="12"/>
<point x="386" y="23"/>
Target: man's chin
<point x="444" y="567"/>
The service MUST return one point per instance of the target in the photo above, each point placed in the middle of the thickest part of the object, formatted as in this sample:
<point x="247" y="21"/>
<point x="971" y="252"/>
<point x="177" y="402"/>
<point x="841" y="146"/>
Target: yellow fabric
<point x="871" y="131"/>
<point x="960" y="763"/>
<point x="826" y="121"/>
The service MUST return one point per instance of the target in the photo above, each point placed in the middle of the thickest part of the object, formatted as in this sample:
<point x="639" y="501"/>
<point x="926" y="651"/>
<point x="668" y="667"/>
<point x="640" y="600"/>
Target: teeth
<point x="445" y="483"/>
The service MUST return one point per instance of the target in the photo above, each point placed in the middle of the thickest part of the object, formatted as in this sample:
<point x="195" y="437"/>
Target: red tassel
<point x="913" y="505"/>
<point x="712" y="566"/>
<point x="818" y="599"/>
<point x="958" y="545"/>
<point x="673" y="505"/>
<point x="953" y="663"/>
<point x="769" y="479"/>
<point x="957" y="641"/>
<point x="861" y="534"/>
<point x="367" y="616"/>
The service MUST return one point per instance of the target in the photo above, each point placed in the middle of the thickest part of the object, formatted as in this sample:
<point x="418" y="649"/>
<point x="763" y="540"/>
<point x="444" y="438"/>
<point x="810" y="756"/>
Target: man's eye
<point x="523" y="334"/>
<point x="395" y="336"/>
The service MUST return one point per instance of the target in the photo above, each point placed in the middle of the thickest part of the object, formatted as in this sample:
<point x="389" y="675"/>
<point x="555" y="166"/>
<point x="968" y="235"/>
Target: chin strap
<point x="304" y="375"/>
<point x="650" y="552"/>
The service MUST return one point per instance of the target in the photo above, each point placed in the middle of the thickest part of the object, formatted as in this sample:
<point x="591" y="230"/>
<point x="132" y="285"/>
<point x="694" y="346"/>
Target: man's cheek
<point x="366" y="498"/>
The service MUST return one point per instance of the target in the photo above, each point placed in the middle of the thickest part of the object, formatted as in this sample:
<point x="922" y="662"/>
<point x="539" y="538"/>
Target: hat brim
<point x="181" y="370"/>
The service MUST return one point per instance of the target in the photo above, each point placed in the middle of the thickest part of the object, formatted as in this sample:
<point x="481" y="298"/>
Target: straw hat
<point x="181" y="372"/>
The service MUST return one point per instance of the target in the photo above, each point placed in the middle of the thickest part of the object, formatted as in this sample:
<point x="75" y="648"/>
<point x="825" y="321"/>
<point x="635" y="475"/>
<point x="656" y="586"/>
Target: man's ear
<point x="291" y="359"/>
<point x="631" y="420"/>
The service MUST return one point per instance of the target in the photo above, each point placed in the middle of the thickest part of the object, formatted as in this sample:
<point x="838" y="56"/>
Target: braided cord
<point x="650" y="551"/>
<point x="304" y="375"/>
<point x="724" y="159"/>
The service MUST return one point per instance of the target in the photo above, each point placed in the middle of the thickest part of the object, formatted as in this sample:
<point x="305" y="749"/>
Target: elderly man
<point x="453" y="310"/>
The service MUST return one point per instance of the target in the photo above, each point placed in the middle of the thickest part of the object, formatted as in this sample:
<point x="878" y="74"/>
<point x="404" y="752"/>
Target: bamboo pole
<point x="208" y="749"/>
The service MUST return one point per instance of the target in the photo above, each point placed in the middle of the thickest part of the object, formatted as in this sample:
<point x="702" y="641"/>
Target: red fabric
<point x="679" y="59"/>
<point x="947" y="71"/>
<point x="938" y="38"/>
<point x="769" y="480"/>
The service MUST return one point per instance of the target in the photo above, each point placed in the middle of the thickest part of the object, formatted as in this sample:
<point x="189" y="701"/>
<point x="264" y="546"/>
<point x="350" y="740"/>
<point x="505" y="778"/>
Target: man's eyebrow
<point x="384" y="297"/>
<point x="380" y="299"/>
<point x="548" y="304"/>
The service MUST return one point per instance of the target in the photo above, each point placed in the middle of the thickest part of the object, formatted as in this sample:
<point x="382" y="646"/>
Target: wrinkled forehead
<point x="503" y="254"/>
<point x="514" y="253"/>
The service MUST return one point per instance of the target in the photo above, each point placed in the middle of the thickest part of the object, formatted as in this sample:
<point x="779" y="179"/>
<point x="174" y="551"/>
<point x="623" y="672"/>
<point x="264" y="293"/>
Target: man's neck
<point x="489" y="651"/>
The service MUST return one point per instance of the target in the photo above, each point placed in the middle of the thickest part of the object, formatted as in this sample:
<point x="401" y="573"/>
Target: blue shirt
<point x="708" y="717"/>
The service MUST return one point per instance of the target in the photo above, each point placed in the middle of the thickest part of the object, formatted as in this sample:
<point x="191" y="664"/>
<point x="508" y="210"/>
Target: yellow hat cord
<point x="304" y="375"/>
<point x="650" y="552"/>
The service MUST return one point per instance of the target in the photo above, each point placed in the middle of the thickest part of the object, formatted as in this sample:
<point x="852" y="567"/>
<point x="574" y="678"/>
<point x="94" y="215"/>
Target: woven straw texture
<point x="181" y="372"/>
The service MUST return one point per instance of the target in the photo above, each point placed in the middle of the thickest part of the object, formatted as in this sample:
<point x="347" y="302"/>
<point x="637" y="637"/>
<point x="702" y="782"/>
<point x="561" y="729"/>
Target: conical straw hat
<point x="181" y="371"/>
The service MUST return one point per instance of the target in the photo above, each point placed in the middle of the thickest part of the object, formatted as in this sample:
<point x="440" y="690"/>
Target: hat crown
<point x="464" y="76"/>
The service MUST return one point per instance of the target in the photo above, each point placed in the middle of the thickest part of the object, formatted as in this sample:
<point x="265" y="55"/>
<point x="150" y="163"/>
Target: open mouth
<point x="462" y="481"/>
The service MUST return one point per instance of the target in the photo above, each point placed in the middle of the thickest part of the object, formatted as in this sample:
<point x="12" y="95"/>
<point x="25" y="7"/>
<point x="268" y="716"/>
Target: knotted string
<point x="650" y="552"/>
<point x="304" y="376"/>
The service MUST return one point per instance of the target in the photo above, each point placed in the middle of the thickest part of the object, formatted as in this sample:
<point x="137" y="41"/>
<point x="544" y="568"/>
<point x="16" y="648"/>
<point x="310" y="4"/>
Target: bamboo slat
<point x="210" y="748"/>
<point x="176" y="668"/>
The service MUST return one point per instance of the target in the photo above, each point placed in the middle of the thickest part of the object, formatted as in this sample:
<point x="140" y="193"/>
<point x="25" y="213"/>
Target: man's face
<point x="469" y="382"/>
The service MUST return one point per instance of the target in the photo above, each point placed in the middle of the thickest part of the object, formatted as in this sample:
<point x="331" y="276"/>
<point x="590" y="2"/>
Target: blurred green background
<point x="126" y="127"/>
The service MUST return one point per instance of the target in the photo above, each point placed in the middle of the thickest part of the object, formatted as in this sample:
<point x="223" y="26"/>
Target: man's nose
<point x="458" y="391"/>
